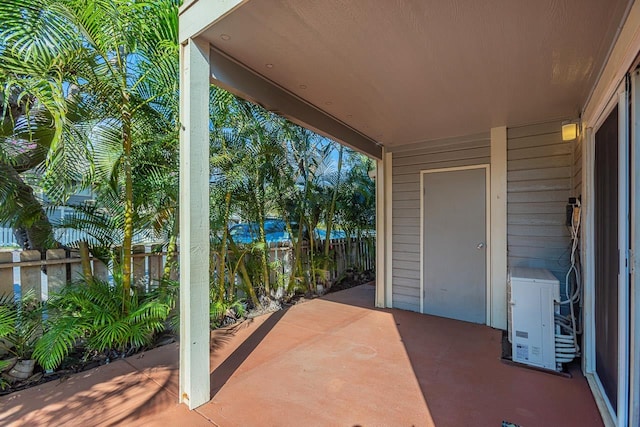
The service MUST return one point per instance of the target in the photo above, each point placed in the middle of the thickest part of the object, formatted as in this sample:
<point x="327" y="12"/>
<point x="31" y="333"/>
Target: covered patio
<point x="335" y="360"/>
<point x="461" y="104"/>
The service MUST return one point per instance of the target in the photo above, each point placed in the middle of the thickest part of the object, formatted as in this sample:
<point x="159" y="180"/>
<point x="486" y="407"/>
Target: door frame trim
<point x="634" y="262"/>
<point x="618" y="417"/>
<point x="488" y="288"/>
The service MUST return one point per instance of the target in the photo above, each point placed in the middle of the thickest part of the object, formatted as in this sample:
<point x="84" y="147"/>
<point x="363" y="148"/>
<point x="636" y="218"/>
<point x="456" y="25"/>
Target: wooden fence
<point x="344" y="254"/>
<point x="6" y="237"/>
<point x="26" y="270"/>
<point x="21" y="271"/>
<point x="68" y="236"/>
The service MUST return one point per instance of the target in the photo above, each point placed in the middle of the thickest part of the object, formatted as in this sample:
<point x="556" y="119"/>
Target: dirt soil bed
<point x="352" y="279"/>
<point x="75" y="362"/>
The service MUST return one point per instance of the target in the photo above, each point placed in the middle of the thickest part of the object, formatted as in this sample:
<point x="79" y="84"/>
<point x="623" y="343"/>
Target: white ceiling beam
<point x="198" y="15"/>
<point x="245" y="83"/>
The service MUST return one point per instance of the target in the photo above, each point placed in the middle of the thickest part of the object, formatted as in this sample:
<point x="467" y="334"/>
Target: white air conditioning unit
<point x="533" y="297"/>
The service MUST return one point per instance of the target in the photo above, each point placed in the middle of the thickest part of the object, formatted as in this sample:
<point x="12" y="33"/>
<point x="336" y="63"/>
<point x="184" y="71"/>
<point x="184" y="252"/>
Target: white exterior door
<point x="454" y="254"/>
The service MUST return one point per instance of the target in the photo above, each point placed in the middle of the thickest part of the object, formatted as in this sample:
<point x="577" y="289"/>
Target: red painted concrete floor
<point x="334" y="361"/>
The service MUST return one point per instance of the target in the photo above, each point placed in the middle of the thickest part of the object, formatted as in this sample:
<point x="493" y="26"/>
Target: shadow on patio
<point x="331" y="361"/>
<point x="337" y="360"/>
<point x="107" y="396"/>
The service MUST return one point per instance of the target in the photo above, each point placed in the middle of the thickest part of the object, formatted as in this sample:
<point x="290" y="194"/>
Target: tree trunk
<point x="331" y="211"/>
<point x="312" y="285"/>
<point x="264" y="253"/>
<point x="128" y="200"/>
<point x="223" y="249"/>
<point x="172" y="251"/>
<point x="260" y="208"/>
<point x="86" y="261"/>
<point x="244" y="273"/>
<point x="171" y="258"/>
<point x="297" y="268"/>
<point x="297" y="252"/>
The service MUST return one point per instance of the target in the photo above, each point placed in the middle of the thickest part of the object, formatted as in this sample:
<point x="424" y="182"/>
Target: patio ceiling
<point x="407" y="71"/>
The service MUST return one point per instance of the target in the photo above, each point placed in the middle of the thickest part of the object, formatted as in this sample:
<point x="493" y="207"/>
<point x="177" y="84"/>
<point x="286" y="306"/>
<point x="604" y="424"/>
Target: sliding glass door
<point x="606" y="255"/>
<point x="608" y="312"/>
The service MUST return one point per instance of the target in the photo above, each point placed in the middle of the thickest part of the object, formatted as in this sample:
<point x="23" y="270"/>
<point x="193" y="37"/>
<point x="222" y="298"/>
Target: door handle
<point x="480" y="245"/>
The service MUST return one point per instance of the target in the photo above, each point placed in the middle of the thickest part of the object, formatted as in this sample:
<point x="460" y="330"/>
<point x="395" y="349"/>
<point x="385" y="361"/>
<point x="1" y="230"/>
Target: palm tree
<point x="264" y="159"/>
<point x="229" y="116"/>
<point x="26" y="138"/>
<point x="356" y="201"/>
<point x="119" y="57"/>
<point x="311" y="173"/>
<point x="332" y="207"/>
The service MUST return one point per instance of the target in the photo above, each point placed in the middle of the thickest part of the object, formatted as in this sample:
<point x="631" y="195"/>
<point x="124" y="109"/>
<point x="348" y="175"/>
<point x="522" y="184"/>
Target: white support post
<point x="497" y="316"/>
<point x="388" y="227"/>
<point x="194" y="225"/>
<point x="380" y="234"/>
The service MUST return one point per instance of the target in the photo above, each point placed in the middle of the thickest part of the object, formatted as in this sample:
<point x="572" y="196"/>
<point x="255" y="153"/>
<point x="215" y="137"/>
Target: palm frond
<point x="93" y="311"/>
<point x="62" y="335"/>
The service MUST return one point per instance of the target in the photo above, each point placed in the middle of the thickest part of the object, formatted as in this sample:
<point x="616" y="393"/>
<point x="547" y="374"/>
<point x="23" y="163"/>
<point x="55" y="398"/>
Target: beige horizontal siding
<point x="544" y="173"/>
<point x="535" y="207"/>
<point x="539" y="241"/>
<point x="577" y="168"/>
<point x="539" y="163"/>
<point x="408" y="161"/>
<point x="410" y="239"/>
<point x="540" y="179"/>
<point x="405" y="247"/>
<point x="405" y="256"/>
<point x="413" y="169"/>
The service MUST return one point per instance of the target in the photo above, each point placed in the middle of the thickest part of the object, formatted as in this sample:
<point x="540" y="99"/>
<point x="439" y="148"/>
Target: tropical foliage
<point x="89" y="102"/>
<point x="92" y="313"/>
<point x="20" y="329"/>
<point x="263" y="166"/>
<point x="104" y="74"/>
<point x="20" y="324"/>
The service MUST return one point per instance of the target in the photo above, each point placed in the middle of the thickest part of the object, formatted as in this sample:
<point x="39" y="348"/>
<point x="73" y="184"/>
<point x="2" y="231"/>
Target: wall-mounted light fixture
<point x="569" y="130"/>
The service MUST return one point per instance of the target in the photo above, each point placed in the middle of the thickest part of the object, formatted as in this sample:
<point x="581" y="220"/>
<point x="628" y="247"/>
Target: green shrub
<point x="219" y="311"/>
<point x="101" y="317"/>
<point x="20" y="324"/>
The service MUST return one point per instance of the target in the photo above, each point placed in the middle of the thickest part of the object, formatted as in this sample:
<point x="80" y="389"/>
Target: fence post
<point x="76" y="268"/>
<point x="6" y="274"/>
<point x="30" y="276"/>
<point x="155" y="267"/>
<point x="100" y="270"/>
<point x="372" y="249"/>
<point x="138" y="263"/>
<point x="367" y="251"/>
<point x="56" y="274"/>
<point x="340" y="261"/>
<point x="7" y="237"/>
<point x="337" y="258"/>
<point x="287" y="262"/>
